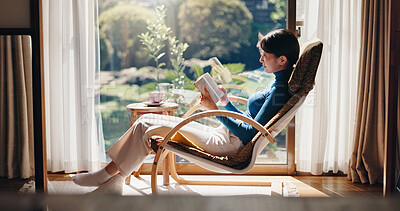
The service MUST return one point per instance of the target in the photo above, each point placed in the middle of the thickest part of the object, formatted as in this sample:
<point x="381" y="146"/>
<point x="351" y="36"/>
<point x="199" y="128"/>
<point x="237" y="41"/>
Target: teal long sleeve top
<point x="262" y="106"/>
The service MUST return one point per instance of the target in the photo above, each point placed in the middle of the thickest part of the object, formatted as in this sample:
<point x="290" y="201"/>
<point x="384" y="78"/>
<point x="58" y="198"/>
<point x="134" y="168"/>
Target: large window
<point x="226" y="29"/>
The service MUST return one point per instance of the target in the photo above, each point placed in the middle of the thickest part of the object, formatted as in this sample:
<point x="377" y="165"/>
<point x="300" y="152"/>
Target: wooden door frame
<point x="290" y="135"/>
<point x="38" y="97"/>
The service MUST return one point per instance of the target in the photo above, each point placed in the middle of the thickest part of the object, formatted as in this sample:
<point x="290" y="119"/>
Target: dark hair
<point x="281" y="42"/>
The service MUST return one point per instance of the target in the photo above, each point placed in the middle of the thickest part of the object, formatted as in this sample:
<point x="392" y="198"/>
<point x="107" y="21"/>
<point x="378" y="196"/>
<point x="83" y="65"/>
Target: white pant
<point x="129" y="152"/>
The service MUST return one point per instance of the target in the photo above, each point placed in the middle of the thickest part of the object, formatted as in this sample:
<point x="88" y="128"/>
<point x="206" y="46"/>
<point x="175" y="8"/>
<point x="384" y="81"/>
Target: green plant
<point x="156" y="36"/>
<point x="198" y="70"/>
<point x="185" y="83"/>
<point x="176" y="58"/>
<point x="157" y="39"/>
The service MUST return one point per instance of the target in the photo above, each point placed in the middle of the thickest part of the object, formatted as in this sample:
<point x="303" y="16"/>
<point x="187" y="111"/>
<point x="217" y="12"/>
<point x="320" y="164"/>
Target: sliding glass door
<point x="226" y="29"/>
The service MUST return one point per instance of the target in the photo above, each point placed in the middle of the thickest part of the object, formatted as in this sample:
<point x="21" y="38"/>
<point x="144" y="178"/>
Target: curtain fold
<point x="366" y="164"/>
<point x="16" y="108"/>
<point x="71" y="73"/>
<point x="325" y="122"/>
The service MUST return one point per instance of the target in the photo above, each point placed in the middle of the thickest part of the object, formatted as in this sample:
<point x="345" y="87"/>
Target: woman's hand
<point x="206" y="101"/>
<point x="224" y="99"/>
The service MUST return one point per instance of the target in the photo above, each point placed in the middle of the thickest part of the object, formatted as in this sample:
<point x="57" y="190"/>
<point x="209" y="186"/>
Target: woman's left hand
<point x="206" y="101"/>
<point x="224" y="99"/>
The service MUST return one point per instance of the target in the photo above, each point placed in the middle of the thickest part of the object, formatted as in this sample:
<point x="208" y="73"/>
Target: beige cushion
<point x="300" y="84"/>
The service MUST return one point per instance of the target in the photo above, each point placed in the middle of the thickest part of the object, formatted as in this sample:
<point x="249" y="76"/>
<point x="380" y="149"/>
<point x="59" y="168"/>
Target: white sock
<point x="91" y="179"/>
<point x="114" y="186"/>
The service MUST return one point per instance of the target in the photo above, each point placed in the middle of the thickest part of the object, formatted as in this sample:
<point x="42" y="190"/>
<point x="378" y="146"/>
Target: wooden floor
<point x="12" y="185"/>
<point x="340" y="186"/>
<point x="333" y="186"/>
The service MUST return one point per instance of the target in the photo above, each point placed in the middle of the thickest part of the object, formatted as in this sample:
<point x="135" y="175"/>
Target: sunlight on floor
<point x="280" y="186"/>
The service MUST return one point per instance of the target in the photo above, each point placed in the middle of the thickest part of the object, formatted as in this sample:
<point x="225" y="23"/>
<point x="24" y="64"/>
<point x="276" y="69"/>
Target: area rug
<point x="140" y="186"/>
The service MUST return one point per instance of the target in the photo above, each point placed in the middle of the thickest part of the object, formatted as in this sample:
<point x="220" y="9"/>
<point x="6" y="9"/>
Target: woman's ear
<point x="282" y="60"/>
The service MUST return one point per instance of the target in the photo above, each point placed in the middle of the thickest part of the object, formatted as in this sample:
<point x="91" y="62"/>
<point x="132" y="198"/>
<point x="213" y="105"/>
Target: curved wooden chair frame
<point x="169" y="158"/>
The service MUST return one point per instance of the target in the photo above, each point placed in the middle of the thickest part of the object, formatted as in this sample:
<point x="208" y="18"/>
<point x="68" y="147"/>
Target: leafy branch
<point x="176" y="58"/>
<point x="155" y="40"/>
<point x="156" y="36"/>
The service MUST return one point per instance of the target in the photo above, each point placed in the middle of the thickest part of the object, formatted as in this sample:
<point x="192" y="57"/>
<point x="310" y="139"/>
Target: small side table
<point x="138" y="109"/>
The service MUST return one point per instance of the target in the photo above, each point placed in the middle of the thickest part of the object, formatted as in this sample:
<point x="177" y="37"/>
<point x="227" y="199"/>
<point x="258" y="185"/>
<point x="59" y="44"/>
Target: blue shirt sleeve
<point x="231" y="107"/>
<point x="276" y="99"/>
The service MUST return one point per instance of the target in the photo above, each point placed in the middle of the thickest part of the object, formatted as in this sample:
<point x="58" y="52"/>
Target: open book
<point x="205" y="81"/>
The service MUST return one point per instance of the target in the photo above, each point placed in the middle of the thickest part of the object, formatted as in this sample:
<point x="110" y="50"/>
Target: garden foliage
<point x="119" y="28"/>
<point x="214" y="27"/>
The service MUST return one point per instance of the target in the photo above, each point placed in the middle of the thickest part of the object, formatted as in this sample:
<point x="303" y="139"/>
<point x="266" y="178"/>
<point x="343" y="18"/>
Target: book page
<point x="205" y="81"/>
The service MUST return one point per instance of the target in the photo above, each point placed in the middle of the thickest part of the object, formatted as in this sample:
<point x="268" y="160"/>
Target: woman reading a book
<point x="279" y="52"/>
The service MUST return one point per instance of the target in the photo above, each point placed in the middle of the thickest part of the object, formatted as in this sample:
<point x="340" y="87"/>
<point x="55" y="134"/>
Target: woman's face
<point x="270" y="62"/>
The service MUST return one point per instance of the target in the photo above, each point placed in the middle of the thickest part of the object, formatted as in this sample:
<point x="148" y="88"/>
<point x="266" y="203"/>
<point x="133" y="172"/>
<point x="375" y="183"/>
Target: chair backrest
<point x="300" y="84"/>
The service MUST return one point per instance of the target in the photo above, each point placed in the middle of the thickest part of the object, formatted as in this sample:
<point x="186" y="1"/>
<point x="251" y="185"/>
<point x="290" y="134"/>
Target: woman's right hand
<point x="224" y="99"/>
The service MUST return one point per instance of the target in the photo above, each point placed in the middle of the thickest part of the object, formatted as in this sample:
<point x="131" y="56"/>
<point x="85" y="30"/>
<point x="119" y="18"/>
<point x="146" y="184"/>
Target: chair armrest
<point x="238" y="99"/>
<point x="232" y="114"/>
<point x="191" y="110"/>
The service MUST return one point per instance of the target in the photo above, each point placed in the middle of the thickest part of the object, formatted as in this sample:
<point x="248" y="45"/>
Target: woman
<point x="279" y="52"/>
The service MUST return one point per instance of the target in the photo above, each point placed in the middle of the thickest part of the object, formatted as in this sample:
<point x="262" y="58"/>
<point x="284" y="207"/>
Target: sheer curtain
<point x="71" y="68"/>
<point x="325" y="123"/>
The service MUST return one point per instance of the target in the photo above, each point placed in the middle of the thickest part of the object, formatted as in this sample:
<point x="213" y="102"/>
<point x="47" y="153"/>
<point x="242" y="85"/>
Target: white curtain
<point x="71" y="68"/>
<point x="325" y="123"/>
